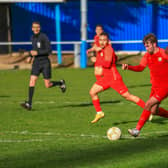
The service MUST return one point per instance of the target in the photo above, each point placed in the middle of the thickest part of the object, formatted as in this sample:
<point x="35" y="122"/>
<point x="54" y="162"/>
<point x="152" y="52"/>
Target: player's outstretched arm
<point x="90" y="51"/>
<point x="137" y="68"/>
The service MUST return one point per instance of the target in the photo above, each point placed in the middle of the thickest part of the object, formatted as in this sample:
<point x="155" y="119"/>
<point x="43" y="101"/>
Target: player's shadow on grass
<point x="95" y="154"/>
<point x="135" y="86"/>
<point x="159" y="120"/>
<point x="89" y="104"/>
<point x="4" y="96"/>
<point x="124" y="122"/>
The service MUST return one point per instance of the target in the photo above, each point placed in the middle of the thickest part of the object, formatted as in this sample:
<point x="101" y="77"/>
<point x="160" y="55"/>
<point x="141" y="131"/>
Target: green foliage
<point x="163" y="2"/>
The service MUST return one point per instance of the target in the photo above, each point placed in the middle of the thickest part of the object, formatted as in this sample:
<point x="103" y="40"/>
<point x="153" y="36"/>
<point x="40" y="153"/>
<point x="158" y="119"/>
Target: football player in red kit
<point x="157" y="61"/>
<point x="98" y="30"/>
<point x="106" y="60"/>
<point x="94" y="48"/>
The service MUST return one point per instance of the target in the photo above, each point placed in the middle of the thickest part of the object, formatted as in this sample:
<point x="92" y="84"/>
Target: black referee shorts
<point x="41" y="66"/>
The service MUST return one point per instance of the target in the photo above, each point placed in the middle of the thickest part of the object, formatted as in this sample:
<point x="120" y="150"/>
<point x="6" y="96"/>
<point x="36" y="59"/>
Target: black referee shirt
<point x="41" y="44"/>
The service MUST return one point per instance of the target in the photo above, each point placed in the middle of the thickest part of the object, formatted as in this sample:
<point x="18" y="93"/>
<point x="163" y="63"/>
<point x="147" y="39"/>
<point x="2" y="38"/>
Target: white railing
<point x="76" y="48"/>
<point x="79" y="42"/>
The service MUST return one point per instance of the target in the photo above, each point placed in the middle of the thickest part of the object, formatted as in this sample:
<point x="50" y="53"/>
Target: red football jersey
<point x="107" y="59"/>
<point x="106" y="54"/>
<point x="158" y="65"/>
<point x="96" y="40"/>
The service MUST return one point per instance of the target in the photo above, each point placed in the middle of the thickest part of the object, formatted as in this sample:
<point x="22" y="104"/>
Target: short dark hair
<point x="105" y="34"/>
<point x="36" y="22"/>
<point x="99" y="25"/>
<point x="150" y="37"/>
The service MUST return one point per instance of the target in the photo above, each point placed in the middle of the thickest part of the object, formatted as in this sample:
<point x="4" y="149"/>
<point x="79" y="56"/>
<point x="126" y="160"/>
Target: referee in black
<point x="41" y="49"/>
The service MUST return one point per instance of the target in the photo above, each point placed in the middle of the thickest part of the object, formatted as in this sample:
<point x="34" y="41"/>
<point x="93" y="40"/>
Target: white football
<point x="113" y="133"/>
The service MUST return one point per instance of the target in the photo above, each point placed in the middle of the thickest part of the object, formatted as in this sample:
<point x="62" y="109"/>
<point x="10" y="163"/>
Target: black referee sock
<point x="31" y="92"/>
<point x="55" y="83"/>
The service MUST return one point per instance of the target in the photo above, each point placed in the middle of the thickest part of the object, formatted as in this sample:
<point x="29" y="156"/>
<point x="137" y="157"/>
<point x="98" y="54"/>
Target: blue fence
<point x="122" y="20"/>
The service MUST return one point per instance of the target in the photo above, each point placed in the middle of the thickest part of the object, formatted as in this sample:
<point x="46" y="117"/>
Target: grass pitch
<point x="57" y="133"/>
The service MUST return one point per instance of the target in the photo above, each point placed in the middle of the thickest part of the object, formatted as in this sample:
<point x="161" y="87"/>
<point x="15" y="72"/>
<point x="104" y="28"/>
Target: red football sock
<point x="144" y="117"/>
<point x="162" y="112"/>
<point x="96" y="104"/>
<point x="141" y="103"/>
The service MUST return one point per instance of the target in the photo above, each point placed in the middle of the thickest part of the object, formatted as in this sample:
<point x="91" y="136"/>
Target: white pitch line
<point x="19" y="141"/>
<point x="56" y="133"/>
<point x="40" y="140"/>
<point x="124" y="136"/>
<point x="69" y="135"/>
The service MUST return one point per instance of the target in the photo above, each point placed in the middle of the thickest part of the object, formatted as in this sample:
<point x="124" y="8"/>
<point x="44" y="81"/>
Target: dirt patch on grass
<point x="18" y="60"/>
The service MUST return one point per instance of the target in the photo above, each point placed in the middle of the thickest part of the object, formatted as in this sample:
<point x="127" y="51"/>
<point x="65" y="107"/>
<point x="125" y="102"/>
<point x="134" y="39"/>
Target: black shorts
<point x="42" y="66"/>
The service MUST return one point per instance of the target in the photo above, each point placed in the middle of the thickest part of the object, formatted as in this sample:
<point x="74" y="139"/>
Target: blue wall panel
<point x="122" y="20"/>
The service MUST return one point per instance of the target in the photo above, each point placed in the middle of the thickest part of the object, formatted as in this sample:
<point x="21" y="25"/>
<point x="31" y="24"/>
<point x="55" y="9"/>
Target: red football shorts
<point x="159" y="93"/>
<point x="118" y="84"/>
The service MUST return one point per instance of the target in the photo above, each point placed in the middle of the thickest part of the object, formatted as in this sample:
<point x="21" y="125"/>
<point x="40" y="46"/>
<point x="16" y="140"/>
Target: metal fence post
<point x="58" y="33"/>
<point x="76" y="55"/>
<point x="83" y="8"/>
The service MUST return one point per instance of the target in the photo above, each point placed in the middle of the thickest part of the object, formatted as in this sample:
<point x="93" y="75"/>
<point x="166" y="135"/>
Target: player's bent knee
<point x="133" y="98"/>
<point x="92" y="93"/>
<point x="153" y="112"/>
<point x="47" y="85"/>
<point x="124" y="95"/>
<point x="127" y="96"/>
<point x="148" y="106"/>
<point x="32" y="83"/>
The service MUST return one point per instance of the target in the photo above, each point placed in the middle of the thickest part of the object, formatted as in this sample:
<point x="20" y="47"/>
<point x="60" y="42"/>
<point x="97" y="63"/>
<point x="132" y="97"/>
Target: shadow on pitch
<point x="155" y="120"/>
<point x="125" y="122"/>
<point x="159" y="120"/>
<point x="143" y="85"/>
<point x="89" y="104"/>
<point x="95" y="154"/>
<point x="4" y="96"/>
